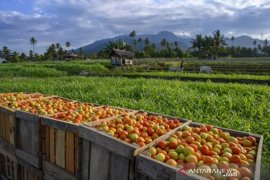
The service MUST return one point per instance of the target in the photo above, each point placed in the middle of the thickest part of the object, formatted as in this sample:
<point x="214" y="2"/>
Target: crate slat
<point x="99" y="170"/>
<point x="86" y="159"/>
<point x="29" y="138"/>
<point x="70" y="152"/>
<point x="52" y="171"/>
<point x="52" y="145"/>
<point x="121" y="170"/>
<point x="60" y="148"/>
<point x="7" y="129"/>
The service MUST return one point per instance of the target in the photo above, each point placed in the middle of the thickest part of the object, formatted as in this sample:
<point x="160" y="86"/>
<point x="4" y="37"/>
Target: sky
<point x="82" y="22"/>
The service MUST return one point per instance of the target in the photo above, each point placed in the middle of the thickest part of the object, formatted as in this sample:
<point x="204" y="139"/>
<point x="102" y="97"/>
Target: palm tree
<point x="146" y="42"/>
<point x="5" y="52"/>
<point x="163" y="42"/>
<point x="232" y="40"/>
<point x="67" y="44"/>
<point x="33" y="42"/>
<point x="132" y="35"/>
<point x="254" y="43"/>
<point x="198" y="43"/>
<point x="57" y="47"/>
<point x="265" y="42"/>
<point x="219" y="41"/>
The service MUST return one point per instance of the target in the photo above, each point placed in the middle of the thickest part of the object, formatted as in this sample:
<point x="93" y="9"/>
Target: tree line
<point x="54" y="52"/>
<point x="203" y="47"/>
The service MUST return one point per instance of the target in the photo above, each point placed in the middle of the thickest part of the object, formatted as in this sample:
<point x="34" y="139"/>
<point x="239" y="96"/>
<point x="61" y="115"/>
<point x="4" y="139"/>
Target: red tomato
<point x="205" y="150"/>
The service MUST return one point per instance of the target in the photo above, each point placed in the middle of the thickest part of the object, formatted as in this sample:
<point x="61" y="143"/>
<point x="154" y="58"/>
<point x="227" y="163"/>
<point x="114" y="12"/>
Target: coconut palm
<point x="33" y="42"/>
<point x="219" y="41"/>
<point x="198" y="43"/>
<point x="232" y="40"/>
<point x="132" y="34"/>
<point x="163" y="43"/>
<point x="146" y="42"/>
<point x="5" y="52"/>
<point x="254" y="43"/>
<point x="67" y="44"/>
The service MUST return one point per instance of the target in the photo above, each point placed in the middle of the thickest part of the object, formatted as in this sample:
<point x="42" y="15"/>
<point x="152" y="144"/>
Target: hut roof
<point x="71" y="55"/>
<point x="122" y="53"/>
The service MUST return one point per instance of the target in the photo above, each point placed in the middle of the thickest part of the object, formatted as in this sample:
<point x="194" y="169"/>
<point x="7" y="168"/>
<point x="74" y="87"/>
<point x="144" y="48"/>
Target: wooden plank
<point x="60" y="148"/>
<point x="28" y="117"/>
<point x="6" y="166"/>
<point x="11" y="128"/>
<point x="231" y="131"/>
<point x="165" y="136"/>
<point x="86" y="149"/>
<point x="112" y="144"/>
<point x="56" y="172"/>
<point x="43" y="141"/>
<point x="47" y="143"/>
<point x="70" y="152"/>
<point x="1" y="124"/>
<point x="142" y="177"/>
<point x="34" y="161"/>
<point x="99" y="165"/>
<point x="7" y="126"/>
<point x="76" y="152"/>
<point x="6" y="147"/>
<point x="158" y="170"/>
<point x="4" y="129"/>
<point x="25" y="174"/>
<point x="121" y="170"/>
<point x="132" y="169"/>
<point x="58" y="124"/>
<point x="24" y="135"/>
<point x="98" y="122"/>
<point x="35" y="139"/>
<point x="30" y="175"/>
<point x="257" y="172"/>
<point x="52" y="145"/>
<point x="28" y="167"/>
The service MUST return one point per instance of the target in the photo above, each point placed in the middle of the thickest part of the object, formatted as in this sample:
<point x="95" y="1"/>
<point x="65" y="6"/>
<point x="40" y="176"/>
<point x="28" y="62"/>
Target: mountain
<point x="243" y="41"/>
<point x="183" y="42"/>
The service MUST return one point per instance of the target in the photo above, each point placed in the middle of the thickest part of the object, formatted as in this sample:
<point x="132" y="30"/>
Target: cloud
<point x="84" y="21"/>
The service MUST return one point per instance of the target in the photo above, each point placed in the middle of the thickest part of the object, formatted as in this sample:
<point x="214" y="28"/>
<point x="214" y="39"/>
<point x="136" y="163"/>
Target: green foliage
<point x="207" y="46"/>
<point x="77" y="68"/>
<point x="24" y="71"/>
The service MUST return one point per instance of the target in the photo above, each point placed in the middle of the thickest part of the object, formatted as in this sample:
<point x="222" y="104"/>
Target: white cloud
<point x="84" y="21"/>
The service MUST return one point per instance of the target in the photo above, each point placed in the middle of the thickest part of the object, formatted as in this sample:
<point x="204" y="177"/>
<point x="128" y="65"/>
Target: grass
<point x="29" y="71"/>
<point x="56" y="69"/>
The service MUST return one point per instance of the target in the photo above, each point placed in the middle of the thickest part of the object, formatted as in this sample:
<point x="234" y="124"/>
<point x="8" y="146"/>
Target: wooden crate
<point x="26" y="171"/>
<point x="8" y="137"/>
<point x="26" y="96"/>
<point x="62" y="147"/>
<point x="28" y="135"/>
<point x="106" y="157"/>
<point x="7" y="129"/>
<point x="13" y="168"/>
<point x="149" y="168"/>
<point x="8" y="166"/>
